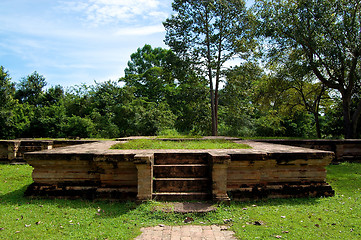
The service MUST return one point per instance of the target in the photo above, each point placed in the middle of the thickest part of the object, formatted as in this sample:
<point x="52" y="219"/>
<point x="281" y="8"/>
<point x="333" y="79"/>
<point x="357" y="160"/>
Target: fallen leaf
<point x="285" y="231"/>
<point x="283" y="216"/>
<point x="317" y="225"/>
<point x="161" y="225"/>
<point x="227" y="220"/>
<point x="27" y="225"/>
<point x="333" y="224"/>
<point x="188" y="220"/>
<point x="244" y="208"/>
<point x="278" y="236"/>
<point x="254" y="205"/>
<point x="17" y="232"/>
<point x="2" y="229"/>
<point x="258" y="223"/>
<point x="37" y="223"/>
<point x="351" y="230"/>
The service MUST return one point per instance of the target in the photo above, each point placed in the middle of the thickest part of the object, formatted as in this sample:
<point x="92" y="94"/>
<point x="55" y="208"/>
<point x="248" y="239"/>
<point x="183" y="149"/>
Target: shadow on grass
<point x="112" y="208"/>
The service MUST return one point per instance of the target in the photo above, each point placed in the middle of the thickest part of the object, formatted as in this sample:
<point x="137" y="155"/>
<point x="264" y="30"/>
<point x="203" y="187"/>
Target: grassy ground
<point x="189" y="144"/>
<point x="337" y="217"/>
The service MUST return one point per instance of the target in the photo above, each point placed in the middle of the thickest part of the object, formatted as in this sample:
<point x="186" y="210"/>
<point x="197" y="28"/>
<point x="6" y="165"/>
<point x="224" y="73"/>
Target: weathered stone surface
<point x="8" y="150"/>
<point x="92" y="170"/>
<point x="345" y="149"/>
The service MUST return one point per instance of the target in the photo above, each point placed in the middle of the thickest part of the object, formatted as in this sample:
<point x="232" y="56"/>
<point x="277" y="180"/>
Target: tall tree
<point x="207" y="33"/>
<point x="30" y="89"/>
<point x="7" y="90"/>
<point x="147" y="72"/>
<point x="327" y="36"/>
<point x="302" y="86"/>
<point x="236" y="103"/>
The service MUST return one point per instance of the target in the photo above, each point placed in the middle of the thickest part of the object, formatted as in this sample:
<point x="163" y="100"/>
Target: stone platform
<point x="93" y="171"/>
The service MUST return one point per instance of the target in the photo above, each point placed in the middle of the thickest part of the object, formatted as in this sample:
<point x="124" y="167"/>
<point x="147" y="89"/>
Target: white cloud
<point x="140" y="31"/>
<point x="99" y="12"/>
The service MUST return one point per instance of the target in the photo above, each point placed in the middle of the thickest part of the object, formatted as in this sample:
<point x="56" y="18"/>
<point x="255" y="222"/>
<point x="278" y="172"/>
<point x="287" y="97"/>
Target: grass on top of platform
<point x="337" y="217"/>
<point x="185" y="144"/>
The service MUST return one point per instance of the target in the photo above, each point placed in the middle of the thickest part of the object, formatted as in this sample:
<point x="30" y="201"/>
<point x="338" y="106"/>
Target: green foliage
<point x="30" y="89"/>
<point x="184" y="144"/>
<point x="172" y="133"/>
<point x="236" y="109"/>
<point x="324" y="35"/>
<point x="76" y="126"/>
<point x="159" y="76"/>
<point x="6" y="104"/>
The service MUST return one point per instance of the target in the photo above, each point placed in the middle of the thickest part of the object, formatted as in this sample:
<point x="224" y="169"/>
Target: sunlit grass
<point x="187" y="144"/>
<point x="337" y="217"/>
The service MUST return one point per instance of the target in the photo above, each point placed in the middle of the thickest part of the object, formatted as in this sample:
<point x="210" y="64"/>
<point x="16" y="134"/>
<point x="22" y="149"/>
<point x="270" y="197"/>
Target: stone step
<point x="181" y="196"/>
<point x="181" y="171"/>
<point x="181" y="185"/>
<point x="180" y="158"/>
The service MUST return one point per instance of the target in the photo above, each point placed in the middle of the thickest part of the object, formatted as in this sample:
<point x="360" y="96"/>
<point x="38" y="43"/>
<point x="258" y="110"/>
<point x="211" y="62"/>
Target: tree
<point x="30" y="89"/>
<point x="207" y="33"/>
<point x="236" y="100"/>
<point x="303" y="88"/>
<point x="327" y="38"/>
<point x="147" y="72"/>
<point x="7" y="103"/>
<point x="161" y="80"/>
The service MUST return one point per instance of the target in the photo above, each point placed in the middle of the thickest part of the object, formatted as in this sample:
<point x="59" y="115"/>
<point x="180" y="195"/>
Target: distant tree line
<point x="298" y="76"/>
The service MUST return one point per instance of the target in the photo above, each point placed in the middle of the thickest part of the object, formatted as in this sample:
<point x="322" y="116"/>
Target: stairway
<point x="181" y="176"/>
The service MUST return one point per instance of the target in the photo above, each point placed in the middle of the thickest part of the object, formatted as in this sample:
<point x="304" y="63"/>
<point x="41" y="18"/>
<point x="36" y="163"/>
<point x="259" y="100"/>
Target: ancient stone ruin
<point x="93" y="171"/>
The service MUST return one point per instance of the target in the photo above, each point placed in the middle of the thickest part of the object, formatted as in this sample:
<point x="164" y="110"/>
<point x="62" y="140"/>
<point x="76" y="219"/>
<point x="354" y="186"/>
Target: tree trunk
<point x="355" y="118"/>
<point x="348" y="128"/>
<point x="317" y="121"/>
<point x="213" y="112"/>
<point x="210" y="78"/>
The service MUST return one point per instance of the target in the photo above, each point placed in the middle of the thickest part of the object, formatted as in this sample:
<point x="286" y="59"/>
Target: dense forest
<point x="298" y="75"/>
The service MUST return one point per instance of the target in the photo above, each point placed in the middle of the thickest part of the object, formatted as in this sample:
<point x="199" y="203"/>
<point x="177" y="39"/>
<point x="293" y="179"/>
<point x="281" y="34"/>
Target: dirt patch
<point x="186" y="207"/>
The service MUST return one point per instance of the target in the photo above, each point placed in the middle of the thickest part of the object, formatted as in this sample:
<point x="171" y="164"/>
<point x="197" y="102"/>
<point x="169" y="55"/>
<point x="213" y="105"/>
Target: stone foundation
<point x="93" y="171"/>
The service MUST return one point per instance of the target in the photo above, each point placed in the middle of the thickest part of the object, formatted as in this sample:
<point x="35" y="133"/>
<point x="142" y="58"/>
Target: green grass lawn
<point x="187" y="144"/>
<point x="336" y="217"/>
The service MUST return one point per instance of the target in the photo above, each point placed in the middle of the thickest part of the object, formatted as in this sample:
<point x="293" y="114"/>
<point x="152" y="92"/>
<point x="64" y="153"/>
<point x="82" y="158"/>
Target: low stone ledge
<point x="344" y="149"/>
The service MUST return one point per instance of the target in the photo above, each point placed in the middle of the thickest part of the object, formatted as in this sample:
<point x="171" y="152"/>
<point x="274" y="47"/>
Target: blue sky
<point x="77" y="41"/>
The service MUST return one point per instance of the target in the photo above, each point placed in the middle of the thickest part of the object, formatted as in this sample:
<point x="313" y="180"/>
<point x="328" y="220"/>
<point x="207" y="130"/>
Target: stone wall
<point x="278" y="175"/>
<point x="84" y="176"/>
<point x="345" y="150"/>
<point x="9" y="150"/>
<point x="13" y="150"/>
